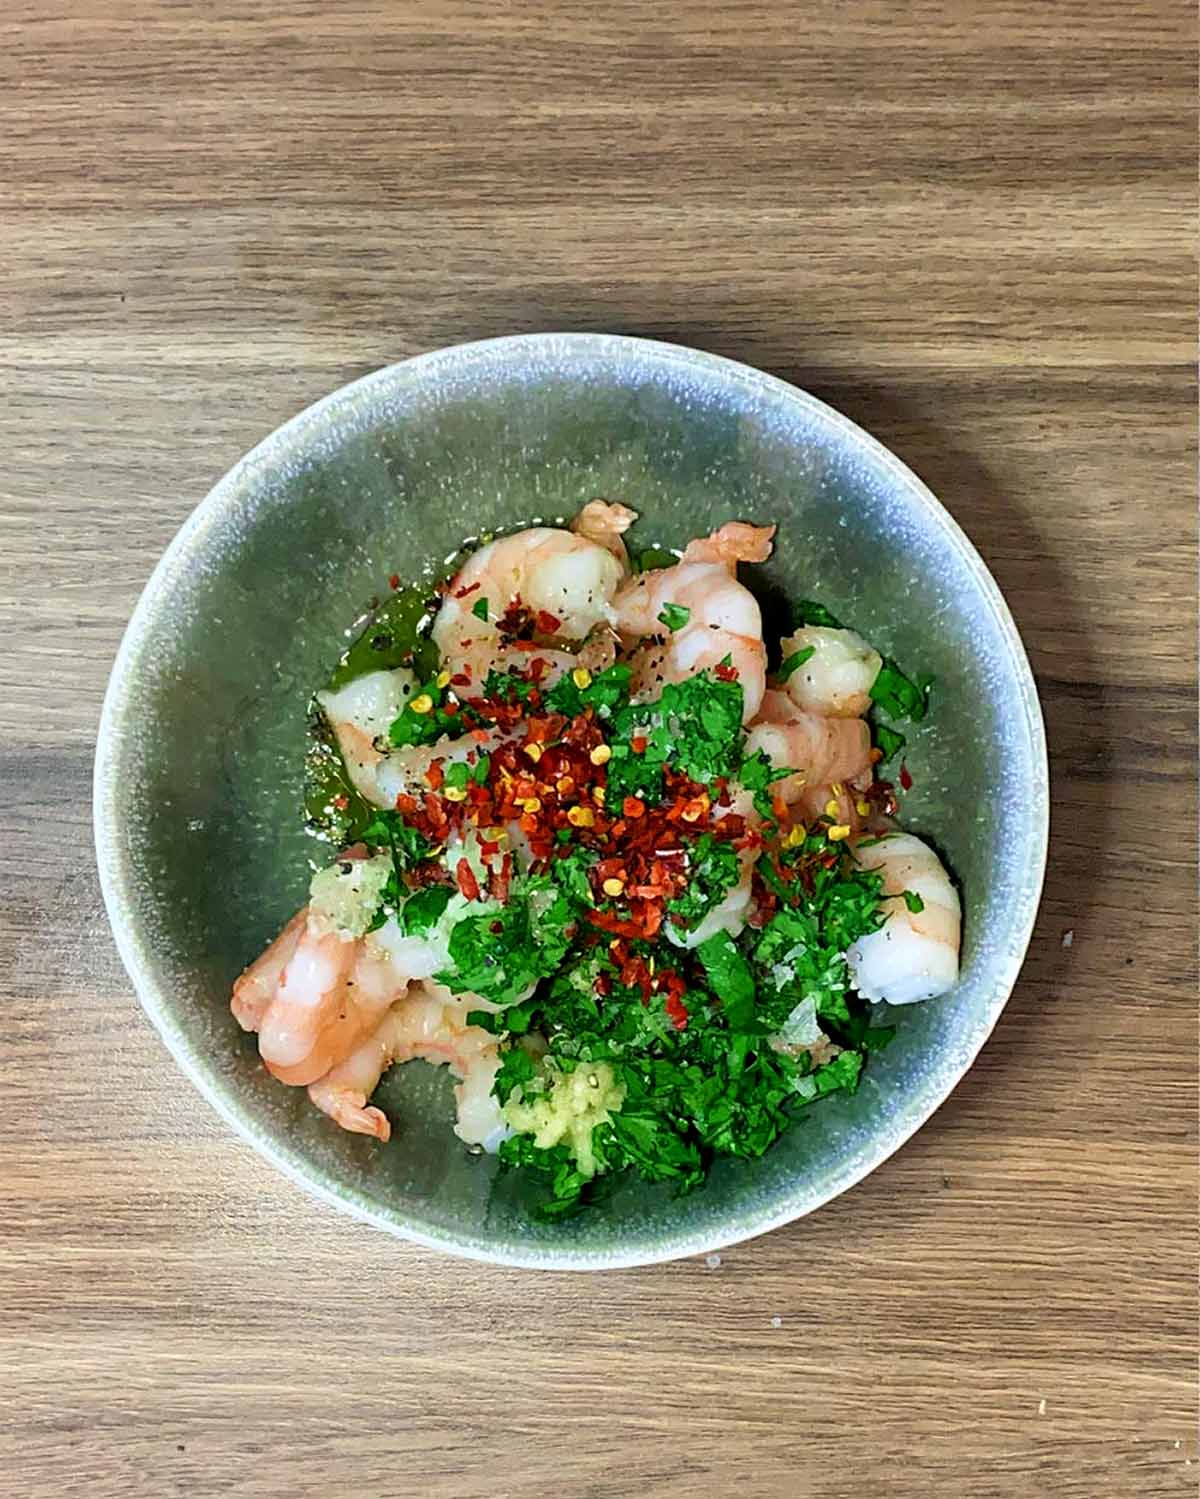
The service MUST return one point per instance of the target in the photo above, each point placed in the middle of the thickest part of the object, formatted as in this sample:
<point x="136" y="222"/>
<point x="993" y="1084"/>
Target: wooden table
<point x="968" y="225"/>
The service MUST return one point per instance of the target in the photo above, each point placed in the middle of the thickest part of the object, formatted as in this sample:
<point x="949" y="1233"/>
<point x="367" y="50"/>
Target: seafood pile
<point x="638" y="891"/>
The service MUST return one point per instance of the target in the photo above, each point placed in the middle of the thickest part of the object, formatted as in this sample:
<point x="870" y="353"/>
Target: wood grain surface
<point x="969" y="225"/>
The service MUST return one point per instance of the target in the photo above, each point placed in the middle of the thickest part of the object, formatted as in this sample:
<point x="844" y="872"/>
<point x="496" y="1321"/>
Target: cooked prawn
<point x="564" y="581"/>
<point x="817" y="749"/>
<point x="360" y="715"/>
<point x="420" y="1025"/>
<point x="254" y="989"/>
<point x="606" y="524"/>
<point x="837" y="678"/>
<point x="723" y="619"/>
<point x="913" y="955"/>
<point x="324" y="997"/>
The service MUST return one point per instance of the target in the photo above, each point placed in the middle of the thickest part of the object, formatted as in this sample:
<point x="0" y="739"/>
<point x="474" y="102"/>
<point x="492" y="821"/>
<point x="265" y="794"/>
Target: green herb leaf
<point x="674" y="616"/>
<point x="731" y="979"/>
<point x="457" y="775"/>
<point x="889" y="741"/>
<point x="412" y="728"/>
<point x="808" y="612"/>
<point x="696" y="725"/>
<point x="756" y="772"/>
<point x="823" y="910"/>
<point x="480" y="607"/>
<point x="712" y="872"/>
<point x="423" y="910"/>
<point x="897" y="695"/>
<point x="605" y="693"/>
<point x="516" y="1069"/>
<point x="389" y="830"/>
<point x="913" y="901"/>
<point x="795" y="661"/>
<point x="503" y="953"/>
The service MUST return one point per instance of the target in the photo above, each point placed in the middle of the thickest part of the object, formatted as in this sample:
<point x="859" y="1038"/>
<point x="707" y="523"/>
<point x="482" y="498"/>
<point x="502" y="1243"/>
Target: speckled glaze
<point x="199" y="761"/>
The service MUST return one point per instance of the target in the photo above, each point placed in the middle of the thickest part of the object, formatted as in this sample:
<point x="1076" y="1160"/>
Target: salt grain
<point x="1041" y="1407"/>
<point x="1068" y="938"/>
<point x="713" y="1261"/>
<point x="776" y="1321"/>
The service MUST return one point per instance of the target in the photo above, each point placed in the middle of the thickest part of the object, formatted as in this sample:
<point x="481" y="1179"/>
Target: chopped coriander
<point x="913" y="901"/>
<point x="416" y="727"/>
<point x="424" y="909"/>
<point x="605" y="693"/>
<point x="674" y="616"/>
<point x="480" y="607"/>
<point x="889" y="741"/>
<point x="457" y="775"/>
<point x="712" y="873"/>
<point x="729" y="975"/>
<point x="808" y="612"/>
<point x="535" y="929"/>
<point x="898" y="695"/>
<point x="795" y="661"/>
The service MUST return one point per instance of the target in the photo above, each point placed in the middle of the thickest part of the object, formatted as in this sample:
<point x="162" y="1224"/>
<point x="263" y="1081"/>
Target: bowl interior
<point x="199" y="770"/>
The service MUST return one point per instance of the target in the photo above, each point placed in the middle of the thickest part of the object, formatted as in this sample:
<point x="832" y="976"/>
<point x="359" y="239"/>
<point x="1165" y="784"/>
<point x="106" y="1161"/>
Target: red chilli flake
<point x="341" y="802"/>
<point x="725" y="673"/>
<point x="394" y="581"/>
<point x="465" y="593"/>
<point x="435" y="775"/>
<point x="905" y="779"/>
<point x="638" y="744"/>
<point x="465" y="877"/>
<point x="547" y="623"/>
<point x="676" y="1012"/>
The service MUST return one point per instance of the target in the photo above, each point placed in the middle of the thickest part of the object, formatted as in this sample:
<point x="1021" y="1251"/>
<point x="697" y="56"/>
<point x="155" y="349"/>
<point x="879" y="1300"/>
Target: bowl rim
<point x="116" y="876"/>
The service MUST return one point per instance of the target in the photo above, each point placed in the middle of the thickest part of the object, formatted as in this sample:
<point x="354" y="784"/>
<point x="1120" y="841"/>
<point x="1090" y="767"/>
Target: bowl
<point x="198" y="780"/>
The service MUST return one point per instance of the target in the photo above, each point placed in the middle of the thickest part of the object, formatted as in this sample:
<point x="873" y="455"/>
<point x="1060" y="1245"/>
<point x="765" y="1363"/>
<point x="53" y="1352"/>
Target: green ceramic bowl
<point x="199" y="761"/>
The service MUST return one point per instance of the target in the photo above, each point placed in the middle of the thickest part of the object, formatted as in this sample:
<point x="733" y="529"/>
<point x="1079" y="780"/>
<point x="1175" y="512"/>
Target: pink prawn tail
<point x="605" y="524"/>
<point x="734" y="542"/>
<point x="350" y="1111"/>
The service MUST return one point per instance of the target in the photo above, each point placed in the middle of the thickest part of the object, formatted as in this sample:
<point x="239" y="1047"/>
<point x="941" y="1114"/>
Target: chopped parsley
<point x="695" y="725"/>
<point x="795" y="661"/>
<point x="900" y="696"/>
<point x="605" y="692"/>
<point x="808" y="612"/>
<point x="415" y="727"/>
<point x="674" y="616"/>
<point x="712" y="873"/>
<point x="889" y="742"/>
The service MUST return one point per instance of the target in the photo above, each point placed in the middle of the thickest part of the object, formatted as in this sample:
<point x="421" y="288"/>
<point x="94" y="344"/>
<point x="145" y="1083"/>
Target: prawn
<point x="606" y="524"/>
<point x="722" y="618"/>
<point x="837" y="678"/>
<point x="818" y="750"/>
<point x="360" y="715"/>
<point x="312" y="997"/>
<point x="555" y="587"/>
<point x="914" y="954"/>
<point x="422" y="1025"/>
